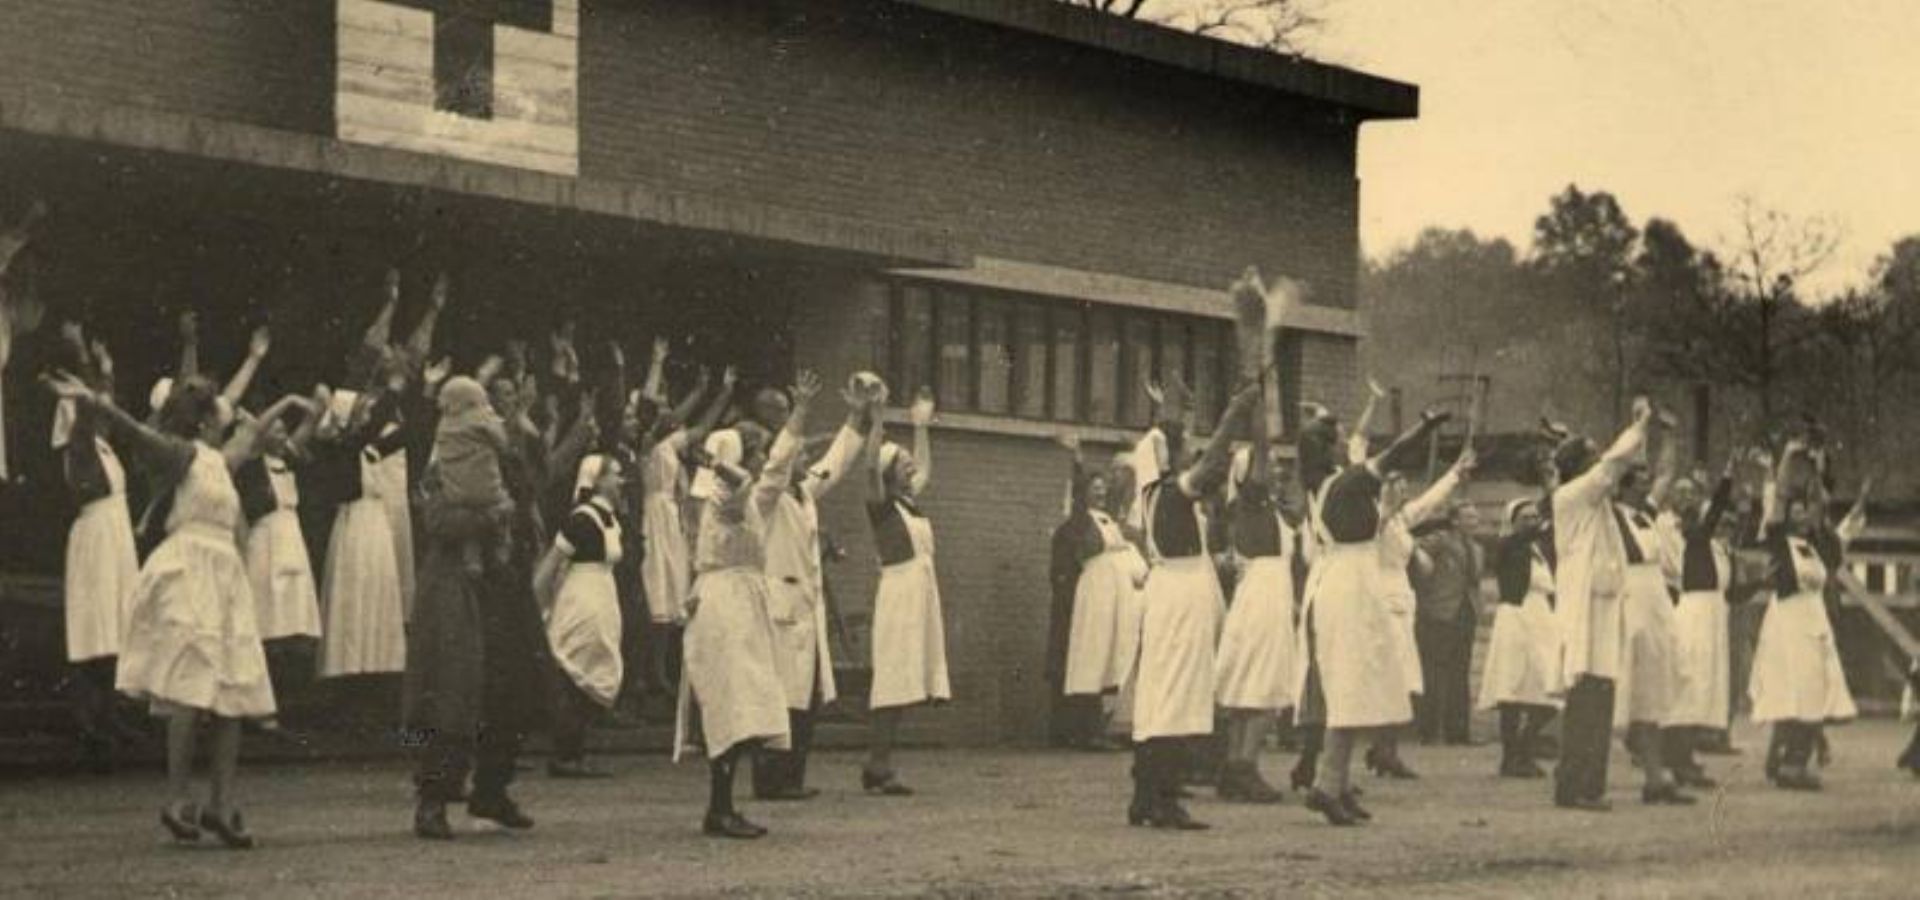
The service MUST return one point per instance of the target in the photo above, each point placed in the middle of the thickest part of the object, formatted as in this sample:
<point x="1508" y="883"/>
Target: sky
<point x="1677" y="107"/>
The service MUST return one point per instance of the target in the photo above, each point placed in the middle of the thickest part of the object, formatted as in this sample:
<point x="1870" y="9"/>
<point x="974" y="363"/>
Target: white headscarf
<point x="592" y="466"/>
<point x="157" y="397"/>
<point x="340" y="407"/>
<point x="724" y="447"/>
<point x="1150" y="458"/>
<point x="63" y="420"/>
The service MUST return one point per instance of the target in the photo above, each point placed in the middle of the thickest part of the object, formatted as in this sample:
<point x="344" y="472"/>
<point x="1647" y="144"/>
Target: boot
<point x="430" y="820"/>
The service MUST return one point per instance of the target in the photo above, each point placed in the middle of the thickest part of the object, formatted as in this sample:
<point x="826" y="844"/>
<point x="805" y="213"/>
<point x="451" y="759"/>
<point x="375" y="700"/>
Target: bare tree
<point x="1276" y="25"/>
<point x="1772" y="254"/>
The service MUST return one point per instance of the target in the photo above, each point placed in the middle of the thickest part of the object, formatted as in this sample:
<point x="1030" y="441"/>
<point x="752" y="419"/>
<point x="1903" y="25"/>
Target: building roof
<point x="1371" y="96"/>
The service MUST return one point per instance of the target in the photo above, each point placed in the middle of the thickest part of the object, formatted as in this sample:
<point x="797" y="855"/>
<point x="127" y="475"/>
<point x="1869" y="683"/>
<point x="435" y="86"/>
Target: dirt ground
<point x="999" y="823"/>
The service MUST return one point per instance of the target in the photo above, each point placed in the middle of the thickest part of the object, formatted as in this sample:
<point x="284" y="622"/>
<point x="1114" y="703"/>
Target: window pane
<point x="1137" y="363"/>
<point x="914" y="344"/>
<point x="1030" y="362"/>
<point x="953" y="382"/>
<point x="1206" y="371"/>
<point x="1103" y="367"/>
<point x="1068" y="347"/>
<point x="996" y="354"/>
<point x="1173" y="350"/>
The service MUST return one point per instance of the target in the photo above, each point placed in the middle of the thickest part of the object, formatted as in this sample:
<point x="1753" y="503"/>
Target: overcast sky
<point x="1676" y="106"/>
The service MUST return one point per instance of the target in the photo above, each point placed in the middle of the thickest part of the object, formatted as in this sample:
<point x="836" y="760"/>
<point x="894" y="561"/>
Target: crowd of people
<point x="484" y="537"/>
<point x="1356" y="599"/>
<point x="487" y="535"/>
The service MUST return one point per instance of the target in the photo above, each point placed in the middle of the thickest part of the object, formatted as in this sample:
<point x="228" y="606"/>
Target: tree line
<point x="1600" y="308"/>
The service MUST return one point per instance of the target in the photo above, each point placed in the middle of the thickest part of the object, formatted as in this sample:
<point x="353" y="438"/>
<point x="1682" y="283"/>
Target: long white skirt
<point x="1523" y="656"/>
<point x="1349" y="636"/>
<point x="1399" y="601"/>
<point x="909" y="637"/>
<point x="102" y="572"/>
<point x="1105" y="635"/>
<point x="1173" y="690"/>
<point x="1254" y="666"/>
<point x="395" y="496"/>
<point x="797" y="648"/>
<point x="1702" y="637"/>
<point x="286" y="601"/>
<point x="365" y="632"/>
<point x="1650" y="674"/>
<point x="584" y="631"/>
<point x="666" y="573"/>
<point x="191" y="640"/>
<point x="728" y="666"/>
<point x="1797" y="675"/>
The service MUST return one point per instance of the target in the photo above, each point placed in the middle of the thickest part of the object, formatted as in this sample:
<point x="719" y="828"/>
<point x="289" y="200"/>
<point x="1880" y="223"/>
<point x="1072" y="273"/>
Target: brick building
<point x="1023" y="204"/>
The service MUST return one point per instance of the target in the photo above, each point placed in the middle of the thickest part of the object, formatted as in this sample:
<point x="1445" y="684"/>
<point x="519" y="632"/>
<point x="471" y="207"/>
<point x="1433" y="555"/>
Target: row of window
<point x="1006" y="354"/>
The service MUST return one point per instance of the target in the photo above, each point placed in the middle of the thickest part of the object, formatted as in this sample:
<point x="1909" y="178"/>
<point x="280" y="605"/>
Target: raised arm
<point x="1208" y="471"/>
<point x="1855" y="521"/>
<point x="1666" y="473"/>
<point x="1597" y="481"/>
<point x="244" y="445"/>
<point x="922" y="414"/>
<point x="777" y="473"/>
<point x="189" y="346"/>
<point x="1077" y="475"/>
<point x="655" y="387"/>
<point x="420" y="343"/>
<point x="845" y="448"/>
<point x="1357" y="443"/>
<point x="1408" y="443"/>
<point x="870" y="451"/>
<point x="17" y="237"/>
<point x="1437" y="494"/>
<point x="257" y="348"/>
<point x="166" y="456"/>
<point x="716" y="406"/>
<point x="379" y="334"/>
<point x="1722" y="499"/>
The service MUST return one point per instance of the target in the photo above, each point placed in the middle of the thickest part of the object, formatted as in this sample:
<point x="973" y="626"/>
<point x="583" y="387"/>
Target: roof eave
<point x="1369" y="97"/>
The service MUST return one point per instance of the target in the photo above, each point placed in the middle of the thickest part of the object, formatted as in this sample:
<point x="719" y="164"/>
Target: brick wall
<point x="264" y="62"/>
<point x="1017" y="146"/>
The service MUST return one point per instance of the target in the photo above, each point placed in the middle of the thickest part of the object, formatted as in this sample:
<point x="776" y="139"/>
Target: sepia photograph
<point x="959" y="448"/>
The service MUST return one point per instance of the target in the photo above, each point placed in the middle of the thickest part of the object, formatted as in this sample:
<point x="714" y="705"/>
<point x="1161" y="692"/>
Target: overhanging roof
<point x="1370" y="96"/>
<point x="145" y="129"/>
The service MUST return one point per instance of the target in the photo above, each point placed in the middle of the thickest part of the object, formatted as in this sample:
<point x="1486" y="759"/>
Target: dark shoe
<point x="180" y="821"/>
<point x="430" y="821"/>
<point x="231" y="830"/>
<point x="1695" y="778"/>
<point x="499" y="809"/>
<point x="788" y="794"/>
<point x="1910" y="760"/>
<point x="1140" y="812"/>
<point x="1302" y="775"/>
<point x="1354" y="808"/>
<point x="731" y="825"/>
<point x="1389" y="765"/>
<point x="1797" y="780"/>
<point x="1665" y="795"/>
<point x="1584" y="804"/>
<point x="1255" y="789"/>
<point x="1172" y="816"/>
<point x="1516" y="768"/>
<point x="1331" y="809"/>
<point x="884" y="784"/>
<point x="575" y="768"/>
